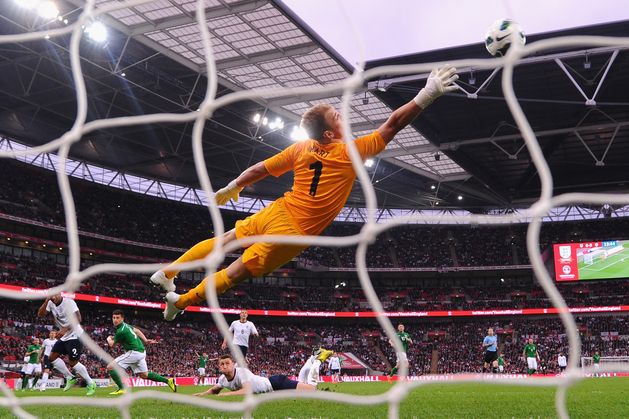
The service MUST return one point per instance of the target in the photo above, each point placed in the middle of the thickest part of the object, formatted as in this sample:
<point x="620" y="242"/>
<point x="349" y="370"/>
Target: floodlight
<point x="28" y="4"/>
<point x="277" y="124"/>
<point x="97" y="32"/>
<point x="298" y="134"/>
<point x="47" y="10"/>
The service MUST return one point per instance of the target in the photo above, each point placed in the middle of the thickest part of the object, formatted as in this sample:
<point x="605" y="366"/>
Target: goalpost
<point x="587" y="361"/>
<point x="588" y="259"/>
<point x="594" y="255"/>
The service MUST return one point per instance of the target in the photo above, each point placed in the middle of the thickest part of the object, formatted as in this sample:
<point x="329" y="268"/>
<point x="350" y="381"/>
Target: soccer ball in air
<point x="501" y="34"/>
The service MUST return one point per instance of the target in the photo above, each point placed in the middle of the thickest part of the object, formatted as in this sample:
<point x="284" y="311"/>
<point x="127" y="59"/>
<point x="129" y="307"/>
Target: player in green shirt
<point x="501" y="363"/>
<point x="33" y="367"/>
<point x="531" y="355"/>
<point x="132" y="341"/>
<point x="203" y="358"/>
<point x="401" y="357"/>
<point x="596" y="359"/>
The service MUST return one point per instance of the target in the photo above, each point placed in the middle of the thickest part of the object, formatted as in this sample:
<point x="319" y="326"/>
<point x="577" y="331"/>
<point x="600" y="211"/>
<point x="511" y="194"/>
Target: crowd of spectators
<point x="116" y="213"/>
<point x="43" y="273"/>
<point x="460" y="347"/>
<point x="447" y="346"/>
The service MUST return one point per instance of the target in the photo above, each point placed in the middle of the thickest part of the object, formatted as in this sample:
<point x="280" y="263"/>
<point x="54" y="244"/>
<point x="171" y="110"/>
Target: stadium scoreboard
<point x="607" y="259"/>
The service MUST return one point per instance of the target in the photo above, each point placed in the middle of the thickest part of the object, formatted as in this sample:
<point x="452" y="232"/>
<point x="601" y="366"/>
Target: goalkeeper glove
<point x="231" y="191"/>
<point x="440" y="81"/>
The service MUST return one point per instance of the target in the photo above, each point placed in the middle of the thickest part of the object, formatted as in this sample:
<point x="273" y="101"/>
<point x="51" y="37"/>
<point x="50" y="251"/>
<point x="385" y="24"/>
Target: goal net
<point x="370" y="229"/>
<point x="593" y="255"/>
<point x="611" y="364"/>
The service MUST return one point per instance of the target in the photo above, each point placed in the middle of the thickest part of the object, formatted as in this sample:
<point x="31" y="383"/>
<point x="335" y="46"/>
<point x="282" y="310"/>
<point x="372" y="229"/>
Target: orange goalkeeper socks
<point x="197" y="294"/>
<point x="198" y="251"/>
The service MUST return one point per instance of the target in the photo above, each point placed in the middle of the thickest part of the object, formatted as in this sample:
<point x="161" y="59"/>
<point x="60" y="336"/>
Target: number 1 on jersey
<point x="317" y="167"/>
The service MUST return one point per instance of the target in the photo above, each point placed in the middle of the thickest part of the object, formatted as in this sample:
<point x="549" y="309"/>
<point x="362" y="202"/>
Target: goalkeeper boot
<point x="172" y="385"/>
<point x="159" y="279"/>
<point x="69" y="383"/>
<point x="171" y="311"/>
<point x="91" y="389"/>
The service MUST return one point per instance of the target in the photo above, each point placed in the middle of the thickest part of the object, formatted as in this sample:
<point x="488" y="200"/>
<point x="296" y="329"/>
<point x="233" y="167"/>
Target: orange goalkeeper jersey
<point x="324" y="177"/>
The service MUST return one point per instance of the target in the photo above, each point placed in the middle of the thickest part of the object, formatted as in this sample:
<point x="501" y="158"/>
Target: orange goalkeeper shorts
<point x="262" y="258"/>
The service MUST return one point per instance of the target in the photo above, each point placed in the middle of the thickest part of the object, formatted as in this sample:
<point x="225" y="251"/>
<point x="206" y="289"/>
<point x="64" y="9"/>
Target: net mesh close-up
<point x="369" y="231"/>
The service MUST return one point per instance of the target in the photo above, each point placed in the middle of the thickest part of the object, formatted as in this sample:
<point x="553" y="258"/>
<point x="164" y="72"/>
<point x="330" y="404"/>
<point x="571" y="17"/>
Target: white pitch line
<point x="622" y="253"/>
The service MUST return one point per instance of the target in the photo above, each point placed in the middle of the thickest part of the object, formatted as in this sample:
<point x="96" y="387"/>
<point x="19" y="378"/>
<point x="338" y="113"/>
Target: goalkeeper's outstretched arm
<point x="249" y="176"/>
<point x="440" y="81"/>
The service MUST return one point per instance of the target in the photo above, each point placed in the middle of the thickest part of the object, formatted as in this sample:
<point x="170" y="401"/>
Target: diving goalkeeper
<point x="323" y="180"/>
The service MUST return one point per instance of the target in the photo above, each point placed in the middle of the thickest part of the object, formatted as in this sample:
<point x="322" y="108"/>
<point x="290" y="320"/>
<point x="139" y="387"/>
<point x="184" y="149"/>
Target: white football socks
<point x="313" y="375"/>
<point x="62" y="368"/>
<point x="82" y="371"/>
<point x="44" y="380"/>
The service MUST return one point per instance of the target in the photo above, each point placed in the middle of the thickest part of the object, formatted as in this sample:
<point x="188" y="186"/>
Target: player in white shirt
<point x="562" y="362"/>
<point x="46" y="349"/>
<point x="239" y="380"/>
<point x="241" y="329"/>
<point x="309" y="372"/>
<point x="334" y="363"/>
<point x="68" y="342"/>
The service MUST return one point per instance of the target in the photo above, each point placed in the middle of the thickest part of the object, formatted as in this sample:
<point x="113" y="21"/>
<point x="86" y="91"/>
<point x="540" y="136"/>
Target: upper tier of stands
<point x="32" y="193"/>
<point x="431" y="295"/>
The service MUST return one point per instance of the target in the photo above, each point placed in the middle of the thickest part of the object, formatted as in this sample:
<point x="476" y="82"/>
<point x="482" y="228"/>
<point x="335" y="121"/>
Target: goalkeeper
<point x="323" y="180"/>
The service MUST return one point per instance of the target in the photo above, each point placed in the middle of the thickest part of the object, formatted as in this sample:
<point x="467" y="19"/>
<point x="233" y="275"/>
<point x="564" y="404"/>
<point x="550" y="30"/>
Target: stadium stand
<point x="446" y="346"/>
<point x="120" y="214"/>
<point x="441" y="346"/>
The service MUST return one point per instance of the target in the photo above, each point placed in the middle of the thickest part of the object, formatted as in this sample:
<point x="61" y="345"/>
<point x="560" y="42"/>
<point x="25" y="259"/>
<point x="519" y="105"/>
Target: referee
<point x="490" y="345"/>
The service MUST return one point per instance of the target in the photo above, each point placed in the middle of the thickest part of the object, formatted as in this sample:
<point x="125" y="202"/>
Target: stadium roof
<point x="264" y="43"/>
<point x="428" y="25"/>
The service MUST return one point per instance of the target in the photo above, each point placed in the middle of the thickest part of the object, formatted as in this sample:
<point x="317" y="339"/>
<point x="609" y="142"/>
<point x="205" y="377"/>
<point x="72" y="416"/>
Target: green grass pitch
<point x="614" y="266"/>
<point x="592" y="398"/>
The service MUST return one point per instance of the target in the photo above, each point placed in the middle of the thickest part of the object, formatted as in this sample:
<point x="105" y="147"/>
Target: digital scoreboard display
<point x="591" y="260"/>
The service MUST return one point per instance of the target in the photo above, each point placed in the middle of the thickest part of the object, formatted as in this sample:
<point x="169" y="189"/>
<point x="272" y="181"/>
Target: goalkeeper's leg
<point x="257" y="260"/>
<point x="164" y="278"/>
<point x="196" y="252"/>
<point x="223" y="281"/>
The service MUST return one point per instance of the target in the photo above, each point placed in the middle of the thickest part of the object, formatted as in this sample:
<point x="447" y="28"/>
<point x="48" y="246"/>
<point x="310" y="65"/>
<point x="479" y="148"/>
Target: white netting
<point x="368" y="233"/>
<point x="588" y="364"/>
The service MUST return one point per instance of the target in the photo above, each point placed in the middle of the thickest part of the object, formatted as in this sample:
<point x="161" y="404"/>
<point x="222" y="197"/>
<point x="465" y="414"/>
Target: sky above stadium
<point x="390" y="28"/>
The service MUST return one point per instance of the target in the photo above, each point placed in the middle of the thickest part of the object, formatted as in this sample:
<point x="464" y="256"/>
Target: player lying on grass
<point x="240" y="380"/>
<point x="323" y="179"/>
<point x="309" y="372"/>
<point x="132" y="340"/>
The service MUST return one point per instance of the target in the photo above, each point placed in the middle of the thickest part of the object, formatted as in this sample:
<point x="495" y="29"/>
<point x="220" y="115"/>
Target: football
<point x="501" y="34"/>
